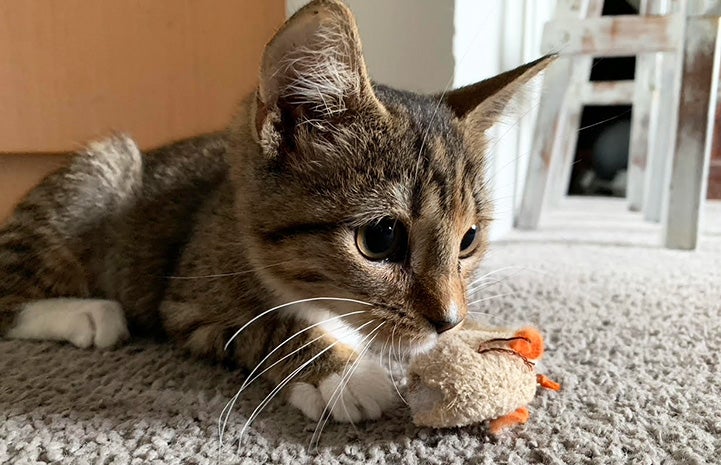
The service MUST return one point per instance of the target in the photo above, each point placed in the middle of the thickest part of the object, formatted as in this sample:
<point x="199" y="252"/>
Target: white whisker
<point x="481" y="283"/>
<point x="490" y="282"/>
<point x="485" y="284"/>
<point x="353" y="369"/>
<point x="390" y="366"/>
<point x="338" y="391"/>
<point x="288" y="304"/>
<point x="381" y="357"/>
<point x="277" y="389"/>
<point x="491" y="273"/>
<point x="440" y="99"/>
<point x="399" y="355"/>
<point x="489" y="298"/>
<point x="328" y="408"/>
<point x="224" y="275"/>
<point x="231" y="403"/>
<point x="307" y="328"/>
<point x="489" y="315"/>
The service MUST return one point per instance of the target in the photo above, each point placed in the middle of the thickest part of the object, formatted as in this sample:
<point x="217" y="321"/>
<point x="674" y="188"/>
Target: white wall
<point x="429" y="45"/>
<point x="407" y="43"/>
<point x="492" y="36"/>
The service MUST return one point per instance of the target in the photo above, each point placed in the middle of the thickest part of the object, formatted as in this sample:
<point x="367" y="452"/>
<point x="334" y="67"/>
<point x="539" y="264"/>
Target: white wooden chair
<point x="678" y="49"/>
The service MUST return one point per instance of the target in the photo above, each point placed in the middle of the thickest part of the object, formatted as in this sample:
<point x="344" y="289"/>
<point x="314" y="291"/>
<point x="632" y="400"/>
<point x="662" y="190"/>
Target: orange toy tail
<point x="529" y="343"/>
<point x="519" y="417"/>
<point x="547" y="383"/>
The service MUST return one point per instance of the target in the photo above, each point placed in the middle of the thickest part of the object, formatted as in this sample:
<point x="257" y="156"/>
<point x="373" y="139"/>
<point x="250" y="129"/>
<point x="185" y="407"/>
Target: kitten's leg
<point x="346" y="385"/>
<point x="365" y="391"/>
<point x="53" y="233"/>
<point x="36" y="267"/>
<point x="358" y="392"/>
<point x="82" y="322"/>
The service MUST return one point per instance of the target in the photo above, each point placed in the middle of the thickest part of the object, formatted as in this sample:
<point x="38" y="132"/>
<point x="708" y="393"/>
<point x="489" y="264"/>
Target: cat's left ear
<point x="313" y="70"/>
<point x="482" y="104"/>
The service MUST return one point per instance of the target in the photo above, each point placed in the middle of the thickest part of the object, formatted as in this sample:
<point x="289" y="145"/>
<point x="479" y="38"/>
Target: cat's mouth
<point x="423" y="347"/>
<point x="403" y="345"/>
<point x="368" y="326"/>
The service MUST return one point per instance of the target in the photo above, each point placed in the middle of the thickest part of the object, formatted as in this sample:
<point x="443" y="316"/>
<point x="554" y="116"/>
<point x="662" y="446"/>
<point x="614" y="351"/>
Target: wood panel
<point x="714" y="180"/>
<point x="612" y="35"/>
<point x="159" y="70"/>
<point x="19" y="173"/>
<point x="608" y="93"/>
<point x="696" y="119"/>
<point x="73" y="70"/>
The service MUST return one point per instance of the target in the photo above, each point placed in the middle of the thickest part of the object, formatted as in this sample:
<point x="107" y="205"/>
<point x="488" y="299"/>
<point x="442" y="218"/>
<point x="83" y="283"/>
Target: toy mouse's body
<point x="475" y="375"/>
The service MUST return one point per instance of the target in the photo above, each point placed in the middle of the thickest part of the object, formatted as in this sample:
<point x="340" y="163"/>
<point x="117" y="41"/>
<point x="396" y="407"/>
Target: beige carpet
<point x="633" y="332"/>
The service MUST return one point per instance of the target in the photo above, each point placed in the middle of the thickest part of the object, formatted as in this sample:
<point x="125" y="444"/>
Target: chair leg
<point x="697" y="107"/>
<point x="555" y="84"/>
<point x="570" y="122"/>
<point x="638" y="145"/>
<point x="665" y="85"/>
<point x="664" y="118"/>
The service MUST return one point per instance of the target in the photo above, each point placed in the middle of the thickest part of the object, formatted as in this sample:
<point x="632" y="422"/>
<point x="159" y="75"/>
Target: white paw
<point x="99" y="323"/>
<point x="364" y="396"/>
<point x="82" y="322"/>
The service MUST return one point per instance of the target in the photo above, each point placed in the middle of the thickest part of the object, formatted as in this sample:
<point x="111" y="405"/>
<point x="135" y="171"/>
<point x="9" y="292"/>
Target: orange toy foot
<point x="529" y="344"/>
<point x="519" y="417"/>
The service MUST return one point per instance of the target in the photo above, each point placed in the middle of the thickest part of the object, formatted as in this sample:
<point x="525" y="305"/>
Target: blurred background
<point x="72" y="70"/>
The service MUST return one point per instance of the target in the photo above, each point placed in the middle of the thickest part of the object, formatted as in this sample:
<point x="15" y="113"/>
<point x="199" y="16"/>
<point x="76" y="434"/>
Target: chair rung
<point x="608" y="92"/>
<point x="613" y="35"/>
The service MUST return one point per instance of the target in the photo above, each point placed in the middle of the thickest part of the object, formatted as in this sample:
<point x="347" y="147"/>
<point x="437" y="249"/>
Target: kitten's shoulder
<point x="198" y="159"/>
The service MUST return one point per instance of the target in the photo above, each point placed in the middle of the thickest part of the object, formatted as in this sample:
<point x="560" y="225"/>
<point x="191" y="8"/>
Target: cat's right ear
<point x="481" y="105"/>
<point x="312" y="71"/>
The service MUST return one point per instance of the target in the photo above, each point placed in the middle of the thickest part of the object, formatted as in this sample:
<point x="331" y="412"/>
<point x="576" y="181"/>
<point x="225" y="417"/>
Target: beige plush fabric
<point x="454" y="385"/>
<point x="631" y="330"/>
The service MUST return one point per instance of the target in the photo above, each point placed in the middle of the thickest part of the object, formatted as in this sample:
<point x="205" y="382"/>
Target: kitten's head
<point x="363" y="192"/>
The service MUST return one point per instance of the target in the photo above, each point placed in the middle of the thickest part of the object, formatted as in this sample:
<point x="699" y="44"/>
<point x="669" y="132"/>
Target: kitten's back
<point x="109" y="225"/>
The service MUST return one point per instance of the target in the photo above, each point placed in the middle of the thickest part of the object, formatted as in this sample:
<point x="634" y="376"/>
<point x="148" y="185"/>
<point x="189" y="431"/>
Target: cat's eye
<point x="469" y="241"/>
<point x="382" y="240"/>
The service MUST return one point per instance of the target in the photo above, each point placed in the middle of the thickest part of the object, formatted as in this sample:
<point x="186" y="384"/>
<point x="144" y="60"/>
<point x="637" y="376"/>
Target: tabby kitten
<point x="364" y="203"/>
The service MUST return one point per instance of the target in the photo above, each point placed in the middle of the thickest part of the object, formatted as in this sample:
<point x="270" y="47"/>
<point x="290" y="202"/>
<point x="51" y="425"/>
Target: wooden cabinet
<point x="73" y="70"/>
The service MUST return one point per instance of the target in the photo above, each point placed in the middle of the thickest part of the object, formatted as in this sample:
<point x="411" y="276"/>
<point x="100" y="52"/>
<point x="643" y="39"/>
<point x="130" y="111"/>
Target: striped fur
<point x="197" y="238"/>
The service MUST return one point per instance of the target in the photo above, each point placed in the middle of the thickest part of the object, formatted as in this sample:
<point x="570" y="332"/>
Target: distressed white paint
<point x="569" y="117"/>
<point x="644" y="77"/>
<point x="545" y="144"/>
<point x="569" y="121"/>
<point x="607" y="92"/>
<point x="662" y="122"/>
<point x="612" y="35"/>
<point x="697" y="107"/>
<point x="615" y="36"/>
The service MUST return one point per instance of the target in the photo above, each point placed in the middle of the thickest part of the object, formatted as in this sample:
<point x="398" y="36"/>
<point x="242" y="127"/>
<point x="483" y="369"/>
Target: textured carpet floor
<point x="633" y="332"/>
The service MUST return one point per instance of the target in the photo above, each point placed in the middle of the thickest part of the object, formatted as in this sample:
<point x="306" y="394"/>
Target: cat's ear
<point x="482" y="104"/>
<point x="313" y="68"/>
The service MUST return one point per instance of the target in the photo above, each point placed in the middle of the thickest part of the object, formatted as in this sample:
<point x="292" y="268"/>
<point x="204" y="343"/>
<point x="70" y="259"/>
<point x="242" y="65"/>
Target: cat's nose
<point x="450" y="319"/>
<point x="444" y="325"/>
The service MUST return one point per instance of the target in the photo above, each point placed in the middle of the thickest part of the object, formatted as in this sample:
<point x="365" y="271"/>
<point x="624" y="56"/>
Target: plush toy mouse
<point x="475" y="375"/>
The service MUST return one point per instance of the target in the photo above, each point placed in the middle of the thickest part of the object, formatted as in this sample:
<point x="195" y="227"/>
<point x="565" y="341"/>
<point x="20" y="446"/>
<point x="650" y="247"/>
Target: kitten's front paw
<point x="82" y="322"/>
<point x="365" y="396"/>
<point x="99" y="323"/>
